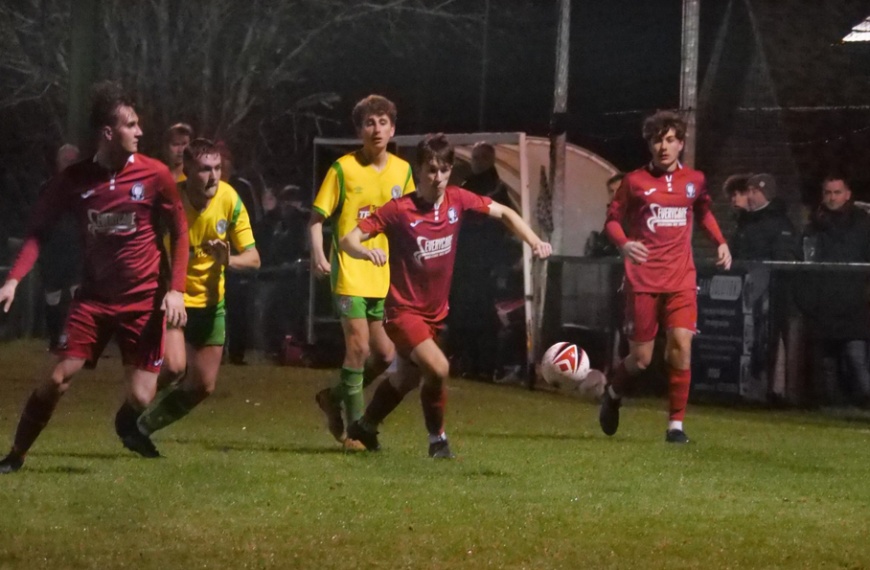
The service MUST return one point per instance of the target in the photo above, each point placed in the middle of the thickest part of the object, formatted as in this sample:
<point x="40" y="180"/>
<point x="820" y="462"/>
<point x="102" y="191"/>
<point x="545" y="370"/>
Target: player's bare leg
<point x="678" y="356"/>
<point x="141" y="387"/>
<point x="176" y="402"/>
<point x="638" y="359"/>
<point x="435" y="369"/>
<point x="38" y="411"/>
<point x="382" y="353"/>
<point x="174" y="358"/>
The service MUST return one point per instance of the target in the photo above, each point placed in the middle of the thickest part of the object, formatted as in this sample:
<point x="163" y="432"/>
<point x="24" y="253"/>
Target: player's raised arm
<point x="351" y="244"/>
<point x="521" y="229"/>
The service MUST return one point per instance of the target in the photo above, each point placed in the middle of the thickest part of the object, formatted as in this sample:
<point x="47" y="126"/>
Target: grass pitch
<point x="253" y="480"/>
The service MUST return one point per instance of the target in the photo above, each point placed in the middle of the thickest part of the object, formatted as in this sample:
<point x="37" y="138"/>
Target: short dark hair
<point x="435" y="146"/>
<point x="736" y="183"/>
<point x="201" y="147"/>
<point x="656" y="126"/>
<point x="179" y="129"/>
<point x="106" y="97"/>
<point x="831" y="176"/>
<point x="373" y="105"/>
<point x="616" y="178"/>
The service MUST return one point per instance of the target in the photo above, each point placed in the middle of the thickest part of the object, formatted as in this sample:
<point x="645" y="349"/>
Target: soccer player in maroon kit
<point x="117" y="199"/>
<point x="422" y="228"/>
<point x="650" y="221"/>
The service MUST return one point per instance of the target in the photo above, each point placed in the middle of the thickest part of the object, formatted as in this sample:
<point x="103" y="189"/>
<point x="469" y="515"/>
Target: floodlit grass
<point x="252" y="480"/>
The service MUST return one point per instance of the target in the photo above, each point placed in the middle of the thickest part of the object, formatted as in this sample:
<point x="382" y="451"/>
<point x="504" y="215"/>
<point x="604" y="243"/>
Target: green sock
<point x="169" y="406"/>
<point x="349" y="391"/>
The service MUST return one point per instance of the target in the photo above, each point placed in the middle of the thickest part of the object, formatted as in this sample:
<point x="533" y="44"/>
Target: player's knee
<point x="680" y="357"/>
<point x="357" y="352"/>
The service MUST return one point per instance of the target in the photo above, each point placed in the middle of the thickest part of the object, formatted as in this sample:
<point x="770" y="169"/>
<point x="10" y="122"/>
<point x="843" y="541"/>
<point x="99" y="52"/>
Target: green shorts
<point x="350" y="307"/>
<point x="206" y="326"/>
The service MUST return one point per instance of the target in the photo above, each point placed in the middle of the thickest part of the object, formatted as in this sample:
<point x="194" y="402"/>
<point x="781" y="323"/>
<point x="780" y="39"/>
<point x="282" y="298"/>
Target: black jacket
<point x="764" y="235"/>
<point x="836" y="303"/>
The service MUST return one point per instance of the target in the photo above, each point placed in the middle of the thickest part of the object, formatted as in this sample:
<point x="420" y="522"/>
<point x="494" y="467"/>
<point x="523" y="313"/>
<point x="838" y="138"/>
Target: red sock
<point x="37" y="412"/>
<point x="678" y="390"/>
<point x="384" y="401"/>
<point x="619" y="378"/>
<point x="433" y="397"/>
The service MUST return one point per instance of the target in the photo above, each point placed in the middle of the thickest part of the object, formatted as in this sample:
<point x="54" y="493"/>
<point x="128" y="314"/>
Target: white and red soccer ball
<point x="567" y="365"/>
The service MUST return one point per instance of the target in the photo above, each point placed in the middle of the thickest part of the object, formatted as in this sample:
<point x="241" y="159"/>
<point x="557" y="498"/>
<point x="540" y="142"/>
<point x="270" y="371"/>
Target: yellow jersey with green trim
<point x="351" y="192"/>
<point x="224" y="218"/>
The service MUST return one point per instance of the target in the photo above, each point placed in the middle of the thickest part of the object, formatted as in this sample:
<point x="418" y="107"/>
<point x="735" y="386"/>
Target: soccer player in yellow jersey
<point x="355" y="186"/>
<point x="220" y="237"/>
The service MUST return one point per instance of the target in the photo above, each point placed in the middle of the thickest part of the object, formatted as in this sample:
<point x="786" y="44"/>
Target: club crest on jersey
<point x="137" y="192"/>
<point x="666" y="216"/>
<point x="396" y="191"/>
<point x="690" y="189"/>
<point x="452" y="216"/>
<point x="221" y="226"/>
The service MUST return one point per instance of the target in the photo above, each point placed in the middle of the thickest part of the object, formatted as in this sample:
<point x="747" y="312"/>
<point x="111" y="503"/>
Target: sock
<point x="385" y="400"/>
<point x="168" y="407"/>
<point x="433" y="398"/>
<point x="436" y="438"/>
<point x="678" y="391"/>
<point x="675" y="424"/>
<point x="125" y="419"/>
<point x="37" y="412"/>
<point x="349" y="391"/>
<point x="618" y="380"/>
<point x="373" y="369"/>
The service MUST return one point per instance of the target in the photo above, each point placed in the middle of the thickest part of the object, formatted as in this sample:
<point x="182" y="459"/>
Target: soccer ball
<point x="564" y="363"/>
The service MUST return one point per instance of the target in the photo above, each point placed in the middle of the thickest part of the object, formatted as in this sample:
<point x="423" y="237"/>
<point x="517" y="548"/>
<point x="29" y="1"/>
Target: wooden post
<point x="689" y="76"/>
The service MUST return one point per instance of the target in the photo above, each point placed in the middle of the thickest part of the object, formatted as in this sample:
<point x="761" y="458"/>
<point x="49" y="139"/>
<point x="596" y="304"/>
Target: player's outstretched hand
<point x="7" y="294"/>
<point x="635" y="251"/>
<point x="173" y="306"/>
<point x="542" y="250"/>
<point x="723" y="258"/>
<point x="219" y="250"/>
<point x="377" y="256"/>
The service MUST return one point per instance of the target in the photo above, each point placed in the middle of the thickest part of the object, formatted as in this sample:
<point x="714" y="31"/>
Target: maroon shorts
<point x="408" y="330"/>
<point x="645" y="311"/>
<point x="91" y="324"/>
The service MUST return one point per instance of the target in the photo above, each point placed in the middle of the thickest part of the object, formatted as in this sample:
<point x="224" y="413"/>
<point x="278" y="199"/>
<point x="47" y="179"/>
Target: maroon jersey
<point x="422" y="248"/>
<point x="117" y="214"/>
<point x="657" y="209"/>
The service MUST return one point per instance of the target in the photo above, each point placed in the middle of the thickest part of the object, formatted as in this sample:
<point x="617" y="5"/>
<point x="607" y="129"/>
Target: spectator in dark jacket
<point x="764" y="231"/>
<point x="835" y="304"/>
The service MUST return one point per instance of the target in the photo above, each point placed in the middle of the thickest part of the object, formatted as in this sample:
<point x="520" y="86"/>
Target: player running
<point x="117" y="199"/>
<point x="216" y="218"/>
<point x="422" y="229"/>
<point x="656" y="205"/>
<point x="356" y="185"/>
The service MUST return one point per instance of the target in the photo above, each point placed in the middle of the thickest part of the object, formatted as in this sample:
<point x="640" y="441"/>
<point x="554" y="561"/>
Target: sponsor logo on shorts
<point x="63" y="341"/>
<point x="430" y="248"/>
<point x="396" y="191"/>
<point x="690" y="190"/>
<point x="137" y="192"/>
<point x="452" y="216"/>
<point x="221" y="226"/>
<point x="158" y="363"/>
<point x="111" y="223"/>
<point x="345" y="304"/>
<point x="666" y="216"/>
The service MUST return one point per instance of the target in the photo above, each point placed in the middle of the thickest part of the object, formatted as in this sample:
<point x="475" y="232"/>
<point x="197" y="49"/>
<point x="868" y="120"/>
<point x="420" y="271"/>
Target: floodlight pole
<point x="689" y="76"/>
